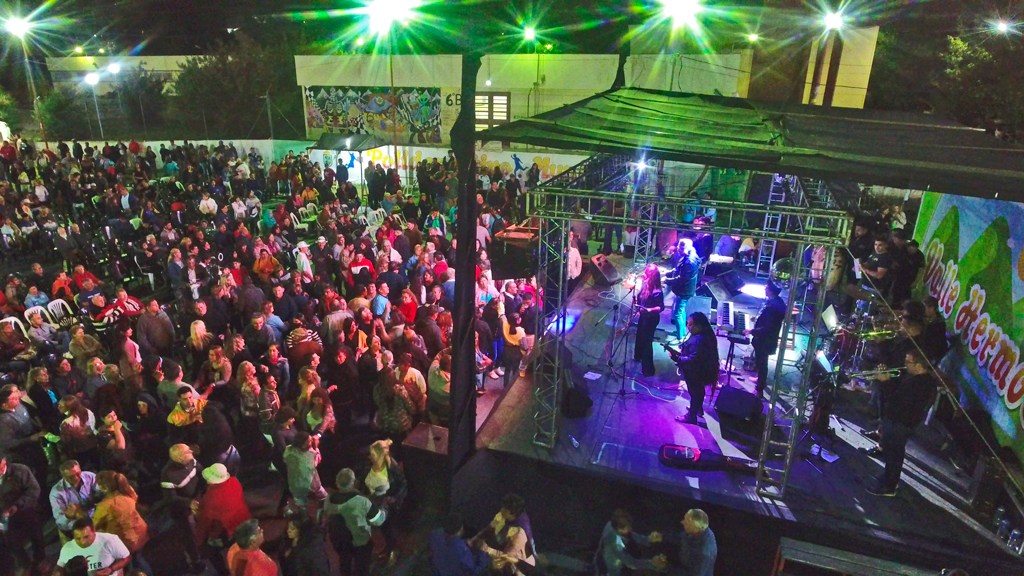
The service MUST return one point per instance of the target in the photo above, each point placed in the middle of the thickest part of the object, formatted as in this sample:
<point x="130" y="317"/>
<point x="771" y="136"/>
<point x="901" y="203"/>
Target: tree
<point x="982" y="85"/>
<point x="142" y="96"/>
<point x="223" y="95"/>
<point x="8" y="107"/>
<point x="63" y="114"/>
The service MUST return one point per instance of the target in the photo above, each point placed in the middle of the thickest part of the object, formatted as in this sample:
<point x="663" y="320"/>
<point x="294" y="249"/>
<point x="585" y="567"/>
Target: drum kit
<point x="860" y="341"/>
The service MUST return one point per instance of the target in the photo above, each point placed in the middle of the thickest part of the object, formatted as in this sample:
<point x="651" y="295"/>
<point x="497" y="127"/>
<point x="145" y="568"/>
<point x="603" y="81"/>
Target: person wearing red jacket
<point x="223" y="508"/>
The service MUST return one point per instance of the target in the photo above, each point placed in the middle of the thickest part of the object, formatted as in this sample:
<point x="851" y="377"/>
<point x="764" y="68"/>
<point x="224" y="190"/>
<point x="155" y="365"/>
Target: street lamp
<point x="530" y="33"/>
<point x="683" y="13"/>
<point x="834" y="21"/>
<point x="1003" y="26"/>
<point x="18" y="26"/>
<point x="79" y="50"/>
<point x="114" y="68"/>
<point x="382" y="16"/>
<point x="753" y="37"/>
<point x="92" y="79"/>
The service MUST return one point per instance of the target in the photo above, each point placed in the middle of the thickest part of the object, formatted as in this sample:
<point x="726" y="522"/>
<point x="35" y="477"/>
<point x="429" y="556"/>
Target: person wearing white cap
<point x="222" y="508"/>
<point x="302" y="263"/>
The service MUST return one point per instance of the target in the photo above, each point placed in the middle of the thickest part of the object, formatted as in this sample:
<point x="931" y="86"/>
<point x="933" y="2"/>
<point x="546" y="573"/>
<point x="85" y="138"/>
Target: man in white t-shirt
<point x="106" y="554"/>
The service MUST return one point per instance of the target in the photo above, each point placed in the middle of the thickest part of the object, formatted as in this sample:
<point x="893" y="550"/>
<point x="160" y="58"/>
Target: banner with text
<point x="974" y="266"/>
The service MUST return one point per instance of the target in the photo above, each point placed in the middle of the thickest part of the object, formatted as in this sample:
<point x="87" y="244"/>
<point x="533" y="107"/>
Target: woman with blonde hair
<point x="198" y="343"/>
<point x="116" y="514"/>
<point x="216" y="371"/>
<point x="309" y="380"/>
<point x="249" y="389"/>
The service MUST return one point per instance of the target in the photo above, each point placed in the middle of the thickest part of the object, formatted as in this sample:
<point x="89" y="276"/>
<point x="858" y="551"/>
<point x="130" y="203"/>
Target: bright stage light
<point x="549" y="46"/>
<point x="384" y="13"/>
<point x="488" y="82"/>
<point x="17" y="26"/>
<point x="682" y="12"/>
<point x="79" y="50"/>
<point x="833" y="21"/>
<point x="103" y="50"/>
<point x="359" y="41"/>
<point x="114" y="68"/>
<point x="92" y="78"/>
<point x="530" y="33"/>
<point x="753" y="38"/>
<point x="1003" y="26"/>
<point x="755" y="290"/>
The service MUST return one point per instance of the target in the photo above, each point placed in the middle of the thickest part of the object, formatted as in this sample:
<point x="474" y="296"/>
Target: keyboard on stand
<point x="731" y="320"/>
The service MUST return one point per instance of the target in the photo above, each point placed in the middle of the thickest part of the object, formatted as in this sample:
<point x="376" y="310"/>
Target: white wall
<point x="696" y="73"/>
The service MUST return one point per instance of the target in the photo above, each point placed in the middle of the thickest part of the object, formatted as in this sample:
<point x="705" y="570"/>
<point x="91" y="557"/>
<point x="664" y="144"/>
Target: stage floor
<point x="621" y="436"/>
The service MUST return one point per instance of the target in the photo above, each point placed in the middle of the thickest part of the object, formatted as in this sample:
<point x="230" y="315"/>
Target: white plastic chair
<point x="61" y="313"/>
<point x="311" y="207"/>
<point x="17" y="321"/>
<point x="399" y="219"/>
<point x="303" y="214"/>
<point x="42" y="312"/>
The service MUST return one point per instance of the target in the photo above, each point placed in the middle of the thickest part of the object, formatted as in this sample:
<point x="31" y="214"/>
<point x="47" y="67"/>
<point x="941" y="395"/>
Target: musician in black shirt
<point x="698" y="361"/>
<point x="650" y="302"/>
<point x="877" y="268"/>
<point x="765" y="334"/>
<point x="905" y="409"/>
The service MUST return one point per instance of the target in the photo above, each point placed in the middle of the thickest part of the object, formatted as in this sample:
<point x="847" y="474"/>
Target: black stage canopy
<point x="901" y="150"/>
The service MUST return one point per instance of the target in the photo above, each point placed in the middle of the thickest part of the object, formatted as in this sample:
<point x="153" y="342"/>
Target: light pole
<point x="19" y="28"/>
<point x="92" y="79"/>
<point x="382" y="15"/>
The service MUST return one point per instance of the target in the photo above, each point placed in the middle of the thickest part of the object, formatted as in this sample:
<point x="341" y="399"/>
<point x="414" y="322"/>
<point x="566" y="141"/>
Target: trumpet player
<point x="910" y="330"/>
<point x="905" y="409"/>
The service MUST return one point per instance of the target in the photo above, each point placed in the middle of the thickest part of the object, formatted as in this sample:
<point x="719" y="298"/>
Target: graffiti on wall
<point x="409" y="115"/>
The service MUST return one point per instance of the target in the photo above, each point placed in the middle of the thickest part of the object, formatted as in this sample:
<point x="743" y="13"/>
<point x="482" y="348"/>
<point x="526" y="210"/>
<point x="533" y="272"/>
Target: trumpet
<point x="877" y="373"/>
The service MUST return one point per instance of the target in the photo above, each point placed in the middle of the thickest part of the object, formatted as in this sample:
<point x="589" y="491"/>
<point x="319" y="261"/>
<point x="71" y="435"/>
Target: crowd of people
<point x="190" y="314"/>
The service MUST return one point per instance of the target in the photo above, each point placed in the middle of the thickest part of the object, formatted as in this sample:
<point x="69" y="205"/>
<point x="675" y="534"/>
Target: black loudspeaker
<point x="986" y="488"/>
<point x="723" y="288"/>
<point x="576" y="403"/>
<point x="513" y="254"/>
<point x="737" y="403"/>
<point x="604" y="273"/>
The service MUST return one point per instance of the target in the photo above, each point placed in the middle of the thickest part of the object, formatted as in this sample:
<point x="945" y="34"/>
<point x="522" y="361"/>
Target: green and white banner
<point x="974" y="266"/>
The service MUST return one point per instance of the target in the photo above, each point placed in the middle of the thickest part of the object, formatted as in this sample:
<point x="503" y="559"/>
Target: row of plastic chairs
<point x="57" y="312"/>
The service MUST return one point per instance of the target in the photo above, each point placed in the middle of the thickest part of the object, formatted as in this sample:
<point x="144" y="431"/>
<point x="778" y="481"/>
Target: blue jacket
<point x="452" y="556"/>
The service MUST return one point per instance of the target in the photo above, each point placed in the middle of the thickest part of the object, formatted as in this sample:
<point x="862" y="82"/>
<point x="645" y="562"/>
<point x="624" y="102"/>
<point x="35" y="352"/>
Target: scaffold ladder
<point x="772" y="223"/>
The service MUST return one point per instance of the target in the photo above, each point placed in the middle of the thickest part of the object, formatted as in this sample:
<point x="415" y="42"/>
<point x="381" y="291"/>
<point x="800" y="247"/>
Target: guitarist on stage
<point x="765" y="334"/>
<point x="683" y="282"/>
<point x="698" y="363"/>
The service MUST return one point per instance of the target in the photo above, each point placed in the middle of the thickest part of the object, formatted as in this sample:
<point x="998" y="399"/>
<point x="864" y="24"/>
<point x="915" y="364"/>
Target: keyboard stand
<point x="734" y="339"/>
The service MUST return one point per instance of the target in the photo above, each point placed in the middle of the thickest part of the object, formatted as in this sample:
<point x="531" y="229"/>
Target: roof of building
<point x="901" y="150"/>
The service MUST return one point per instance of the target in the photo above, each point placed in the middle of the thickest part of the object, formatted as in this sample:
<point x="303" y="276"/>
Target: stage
<point x="620" y="437"/>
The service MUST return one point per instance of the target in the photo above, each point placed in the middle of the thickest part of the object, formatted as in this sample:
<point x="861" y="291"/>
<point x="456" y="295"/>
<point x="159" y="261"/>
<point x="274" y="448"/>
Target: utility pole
<point x="270" y="120"/>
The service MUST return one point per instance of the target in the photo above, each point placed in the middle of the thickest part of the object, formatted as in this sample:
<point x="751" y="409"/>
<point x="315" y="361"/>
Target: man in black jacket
<point x="19" y="498"/>
<point x="905" y="409"/>
<point x="427" y="328"/>
<point x="181" y="481"/>
<point x="765" y="334"/>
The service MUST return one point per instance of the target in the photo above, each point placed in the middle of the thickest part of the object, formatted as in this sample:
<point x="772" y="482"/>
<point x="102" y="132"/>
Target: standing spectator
<point x="74" y="496"/>
<point x="305" y="554"/>
<point x="245" y="557"/>
<point x="181" y="481"/>
<point x="155" y="331"/>
<point x="106" y="553"/>
<point x="618" y="541"/>
<point x="451" y="555"/>
<point x="19" y="497"/>
<point x="222" y="508"/>
<point x="351" y="518"/>
<point x="697" y="546"/>
<point x="116" y="514"/>
<point x="302" y="457"/>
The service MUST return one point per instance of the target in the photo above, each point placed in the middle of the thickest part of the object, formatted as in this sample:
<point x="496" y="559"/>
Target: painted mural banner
<point x="550" y="165"/>
<point x="974" y="266"/>
<point x="407" y="115"/>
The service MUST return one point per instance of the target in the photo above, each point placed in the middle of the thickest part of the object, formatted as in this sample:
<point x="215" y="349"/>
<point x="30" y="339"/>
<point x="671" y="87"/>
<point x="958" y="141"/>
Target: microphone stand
<point x="624" y="344"/>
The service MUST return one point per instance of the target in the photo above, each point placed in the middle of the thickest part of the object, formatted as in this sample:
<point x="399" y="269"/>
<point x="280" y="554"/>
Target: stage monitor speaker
<point x="737" y="403"/>
<point x="576" y="403"/>
<point x="605" y="273"/>
<point x="723" y="288"/>
<point x="513" y="254"/>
